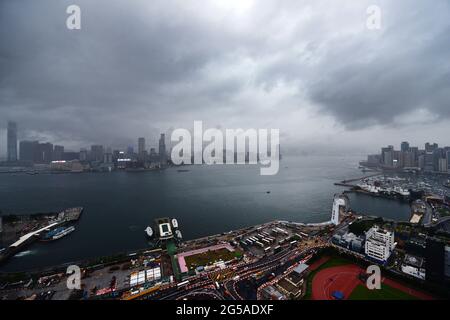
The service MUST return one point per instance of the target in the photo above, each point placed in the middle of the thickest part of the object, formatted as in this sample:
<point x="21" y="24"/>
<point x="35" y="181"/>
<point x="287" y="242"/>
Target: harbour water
<point x="206" y="200"/>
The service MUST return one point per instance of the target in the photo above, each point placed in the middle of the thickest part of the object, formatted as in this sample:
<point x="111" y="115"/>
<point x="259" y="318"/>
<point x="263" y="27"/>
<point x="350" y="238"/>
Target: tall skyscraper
<point x="162" y="149"/>
<point x="97" y="152"/>
<point x="58" y="153"/>
<point x="141" y="146"/>
<point x="404" y="146"/>
<point x="28" y="150"/>
<point x="83" y="155"/>
<point x="44" y="153"/>
<point x="108" y="157"/>
<point x="387" y="156"/>
<point x="430" y="147"/>
<point x="12" y="141"/>
<point x="429" y="161"/>
<point x="130" y="151"/>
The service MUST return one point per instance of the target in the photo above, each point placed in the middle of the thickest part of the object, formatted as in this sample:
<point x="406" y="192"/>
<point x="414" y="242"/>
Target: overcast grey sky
<point x="310" y="68"/>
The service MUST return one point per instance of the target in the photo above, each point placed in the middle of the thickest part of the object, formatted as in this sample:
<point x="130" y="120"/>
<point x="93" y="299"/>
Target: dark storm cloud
<point x="139" y="67"/>
<point x="373" y="80"/>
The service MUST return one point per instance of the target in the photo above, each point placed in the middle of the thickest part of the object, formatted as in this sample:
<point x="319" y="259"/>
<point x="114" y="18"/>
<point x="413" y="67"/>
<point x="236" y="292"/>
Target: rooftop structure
<point x="379" y="244"/>
<point x="270" y="292"/>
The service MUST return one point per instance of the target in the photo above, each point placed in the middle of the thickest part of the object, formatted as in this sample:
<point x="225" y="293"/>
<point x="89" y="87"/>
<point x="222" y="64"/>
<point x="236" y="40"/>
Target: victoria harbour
<point x="205" y="199"/>
<point x="223" y="153"/>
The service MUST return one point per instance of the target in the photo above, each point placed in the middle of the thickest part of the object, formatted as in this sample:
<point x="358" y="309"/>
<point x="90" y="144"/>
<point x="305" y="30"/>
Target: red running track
<point x="340" y="278"/>
<point x="345" y="279"/>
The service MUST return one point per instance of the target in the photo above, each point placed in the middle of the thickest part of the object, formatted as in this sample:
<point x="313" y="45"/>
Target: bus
<point x="282" y="231"/>
<point x="304" y="234"/>
<point x="183" y="284"/>
<point x="260" y="244"/>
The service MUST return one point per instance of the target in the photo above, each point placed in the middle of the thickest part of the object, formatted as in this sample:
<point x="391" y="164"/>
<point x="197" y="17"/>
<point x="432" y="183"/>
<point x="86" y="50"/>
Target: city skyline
<point x="431" y="158"/>
<point x="245" y="152"/>
<point x="326" y="80"/>
<point x="155" y="140"/>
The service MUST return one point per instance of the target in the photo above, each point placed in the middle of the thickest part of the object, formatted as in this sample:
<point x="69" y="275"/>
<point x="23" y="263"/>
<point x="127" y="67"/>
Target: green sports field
<point x="385" y="293"/>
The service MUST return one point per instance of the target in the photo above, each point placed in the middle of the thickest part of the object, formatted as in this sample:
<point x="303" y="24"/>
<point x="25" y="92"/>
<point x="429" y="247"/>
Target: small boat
<point x="149" y="232"/>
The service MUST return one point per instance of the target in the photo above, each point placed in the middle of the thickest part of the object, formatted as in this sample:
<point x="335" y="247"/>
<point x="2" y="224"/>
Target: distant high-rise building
<point x="404" y="146"/>
<point x="430" y="147"/>
<point x="83" y="155"/>
<point x="108" y="157"/>
<point x="414" y="151"/>
<point x="142" y="153"/>
<point x="442" y="165"/>
<point x="398" y="161"/>
<point x="33" y="151"/>
<point x="97" y="152"/>
<point x="409" y="159"/>
<point x="374" y="159"/>
<point x="448" y="161"/>
<point x="141" y="146"/>
<point x="387" y="156"/>
<point x="58" y="153"/>
<point x="28" y="150"/>
<point x="130" y="151"/>
<point x="44" y="153"/>
<point x="70" y="156"/>
<point x="12" y="141"/>
<point x="429" y="162"/>
<point x="162" y="149"/>
<point x="421" y="161"/>
<point x="437" y="155"/>
<point x="153" y="155"/>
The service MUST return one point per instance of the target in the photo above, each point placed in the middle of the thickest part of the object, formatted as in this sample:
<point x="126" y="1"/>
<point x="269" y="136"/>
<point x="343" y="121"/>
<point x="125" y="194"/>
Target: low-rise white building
<point x="379" y="244"/>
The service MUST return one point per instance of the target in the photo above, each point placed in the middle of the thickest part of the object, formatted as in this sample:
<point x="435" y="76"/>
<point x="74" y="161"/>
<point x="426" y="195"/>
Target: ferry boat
<point x="58" y="233"/>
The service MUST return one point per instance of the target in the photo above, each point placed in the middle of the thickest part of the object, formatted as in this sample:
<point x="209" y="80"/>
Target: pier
<point x="66" y="216"/>
<point x="348" y="183"/>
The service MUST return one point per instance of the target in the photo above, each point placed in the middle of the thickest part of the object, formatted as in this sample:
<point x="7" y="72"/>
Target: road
<point x="237" y="275"/>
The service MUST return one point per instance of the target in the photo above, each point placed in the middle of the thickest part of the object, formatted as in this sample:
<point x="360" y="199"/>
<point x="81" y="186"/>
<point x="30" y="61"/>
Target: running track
<point x="345" y="279"/>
